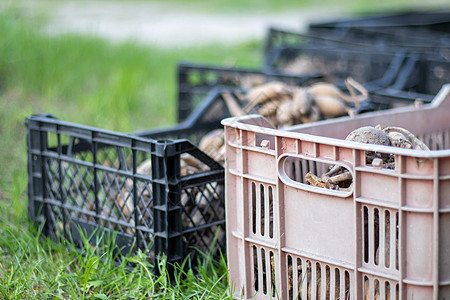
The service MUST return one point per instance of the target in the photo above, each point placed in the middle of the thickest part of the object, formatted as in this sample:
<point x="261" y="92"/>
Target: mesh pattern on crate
<point x="106" y="185"/>
<point x="332" y="63"/>
<point x="71" y="187"/>
<point x="202" y="215"/>
<point x="201" y="86"/>
<point x="195" y="82"/>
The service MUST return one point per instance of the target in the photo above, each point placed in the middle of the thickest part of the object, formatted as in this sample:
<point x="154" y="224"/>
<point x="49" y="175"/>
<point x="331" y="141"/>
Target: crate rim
<point x="135" y="140"/>
<point x="137" y="136"/>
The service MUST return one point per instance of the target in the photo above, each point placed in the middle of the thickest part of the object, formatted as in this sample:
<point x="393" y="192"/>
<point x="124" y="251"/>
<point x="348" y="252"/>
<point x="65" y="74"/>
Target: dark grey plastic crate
<point x="421" y="77"/>
<point x="411" y="39"/>
<point x="408" y="75"/>
<point x="412" y="19"/>
<point x="196" y="81"/>
<point x="415" y="31"/>
<point x="374" y="71"/>
<point x="85" y="178"/>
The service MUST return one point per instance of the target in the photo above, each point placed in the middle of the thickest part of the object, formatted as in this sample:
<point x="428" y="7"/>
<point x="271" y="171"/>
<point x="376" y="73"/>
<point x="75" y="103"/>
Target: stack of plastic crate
<point x="419" y="38"/>
<point x="84" y="182"/>
<point x="384" y="237"/>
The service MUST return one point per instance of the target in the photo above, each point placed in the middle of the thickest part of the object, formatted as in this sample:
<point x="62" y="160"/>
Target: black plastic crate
<point x="413" y="40"/>
<point x="214" y="108"/>
<point x="409" y="75"/>
<point x="335" y="60"/>
<point x="196" y="81"/>
<point x="278" y="38"/>
<point x="406" y="78"/>
<point x="429" y="20"/>
<point x="414" y="31"/>
<point x="421" y="77"/>
<point x="335" y="63"/>
<point x="377" y="100"/>
<point x="375" y="41"/>
<point x="85" y="178"/>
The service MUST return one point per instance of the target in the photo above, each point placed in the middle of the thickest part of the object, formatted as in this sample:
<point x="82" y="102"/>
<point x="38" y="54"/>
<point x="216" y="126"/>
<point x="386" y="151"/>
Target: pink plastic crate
<point x="388" y="237"/>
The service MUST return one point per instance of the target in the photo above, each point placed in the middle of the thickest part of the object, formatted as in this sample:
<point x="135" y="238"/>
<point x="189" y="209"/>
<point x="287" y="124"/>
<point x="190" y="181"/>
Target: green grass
<point x="122" y="87"/>
<point x="34" y="267"/>
<point x="267" y="6"/>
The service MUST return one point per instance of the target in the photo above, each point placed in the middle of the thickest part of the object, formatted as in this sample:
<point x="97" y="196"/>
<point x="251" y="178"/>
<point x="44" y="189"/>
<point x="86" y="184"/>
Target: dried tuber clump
<point x="369" y="135"/>
<point x="402" y="138"/>
<point x="286" y="105"/>
<point x="339" y="178"/>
